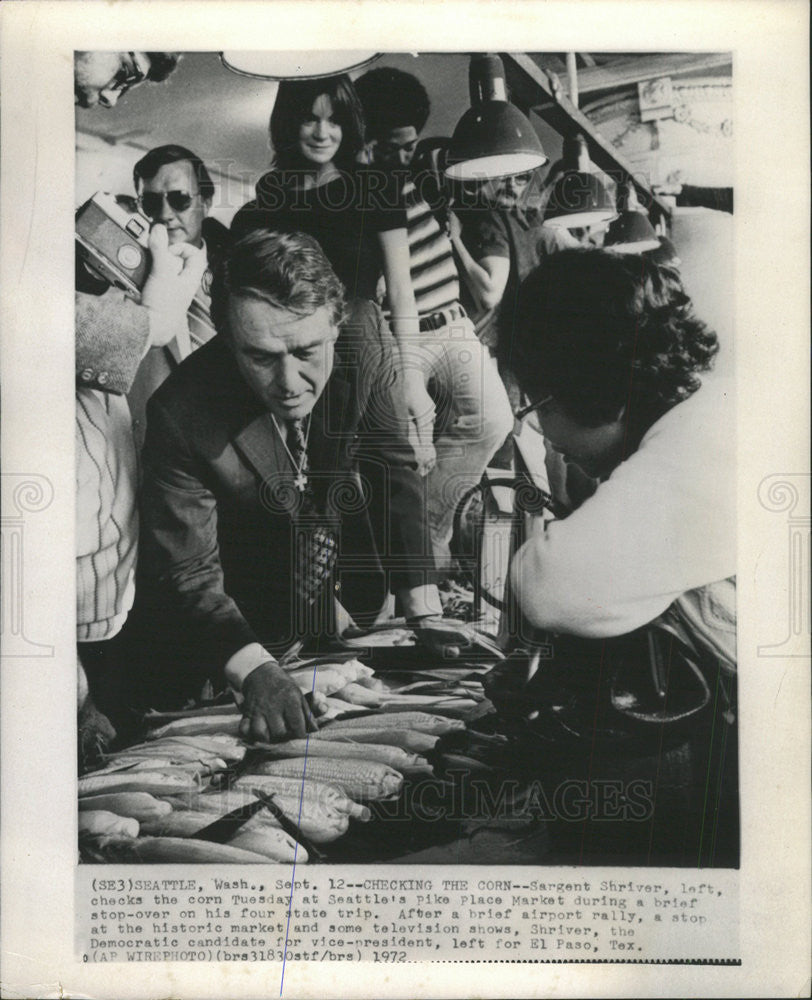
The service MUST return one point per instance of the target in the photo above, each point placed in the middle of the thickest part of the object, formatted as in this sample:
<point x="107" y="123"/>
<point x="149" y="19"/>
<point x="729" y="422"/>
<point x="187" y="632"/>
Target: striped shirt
<point x="108" y="440"/>
<point x="106" y="514"/>
<point x="431" y="257"/>
<point x="201" y="328"/>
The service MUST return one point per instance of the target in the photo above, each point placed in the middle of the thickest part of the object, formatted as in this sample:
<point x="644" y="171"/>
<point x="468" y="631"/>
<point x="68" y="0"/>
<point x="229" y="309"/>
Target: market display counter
<point x="380" y="781"/>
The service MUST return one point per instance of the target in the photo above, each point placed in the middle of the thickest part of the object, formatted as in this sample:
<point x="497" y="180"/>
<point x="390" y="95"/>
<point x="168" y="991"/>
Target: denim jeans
<point x="473" y="418"/>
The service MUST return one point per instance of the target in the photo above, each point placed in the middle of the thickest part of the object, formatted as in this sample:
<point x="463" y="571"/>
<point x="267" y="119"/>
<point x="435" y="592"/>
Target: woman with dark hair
<point x="355" y="213"/>
<point x="611" y="357"/>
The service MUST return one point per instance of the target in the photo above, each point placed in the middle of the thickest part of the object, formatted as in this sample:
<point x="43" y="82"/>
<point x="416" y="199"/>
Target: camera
<point x="112" y="241"/>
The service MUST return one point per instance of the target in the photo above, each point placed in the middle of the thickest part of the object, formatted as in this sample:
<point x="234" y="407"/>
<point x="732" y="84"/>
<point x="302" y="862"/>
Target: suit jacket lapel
<point x="261" y="446"/>
<point x="329" y="427"/>
<point x="172" y="351"/>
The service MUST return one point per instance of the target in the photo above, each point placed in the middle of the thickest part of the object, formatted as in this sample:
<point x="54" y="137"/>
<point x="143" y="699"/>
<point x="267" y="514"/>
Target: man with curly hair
<point x="636" y="587"/>
<point x="612" y="359"/>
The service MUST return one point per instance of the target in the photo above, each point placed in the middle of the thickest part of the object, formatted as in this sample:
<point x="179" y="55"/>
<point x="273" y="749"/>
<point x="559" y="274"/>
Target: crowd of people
<point x="272" y="441"/>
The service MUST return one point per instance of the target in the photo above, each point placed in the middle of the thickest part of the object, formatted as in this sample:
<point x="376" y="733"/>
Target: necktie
<point x="316" y="544"/>
<point x="297" y="446"/>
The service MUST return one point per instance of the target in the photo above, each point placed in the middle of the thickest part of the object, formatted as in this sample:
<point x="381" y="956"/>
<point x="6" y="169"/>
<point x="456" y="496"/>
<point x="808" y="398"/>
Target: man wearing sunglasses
<point x="175" y="189"/>
<point x="113" y="332"/>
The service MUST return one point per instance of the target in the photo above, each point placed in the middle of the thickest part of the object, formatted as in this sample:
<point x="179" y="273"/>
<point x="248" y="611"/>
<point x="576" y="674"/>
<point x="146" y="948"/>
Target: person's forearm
<point x="112" y="336"/>
<point x="179" y="551"/>
<point x="480" y="281"/>
<point x="404" y="319"/>
<point x="240" y="664"/>
<point x="420" y="602"/>
<point x="720" y="199"/>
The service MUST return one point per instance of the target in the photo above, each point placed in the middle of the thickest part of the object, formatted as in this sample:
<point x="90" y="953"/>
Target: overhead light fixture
<point x="310" y="65"/>
<point x="631" y="232"/>
<point x="665" y="253"/>
<point x="578" y="199"/>
<point x="493" y="138"/>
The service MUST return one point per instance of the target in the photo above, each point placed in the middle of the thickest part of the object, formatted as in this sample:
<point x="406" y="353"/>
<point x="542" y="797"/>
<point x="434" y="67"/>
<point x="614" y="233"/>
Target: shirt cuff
<point x="243" y="662"/>
<point x="417" y="602"/>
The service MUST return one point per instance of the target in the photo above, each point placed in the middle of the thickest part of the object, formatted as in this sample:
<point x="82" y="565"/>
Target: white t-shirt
<point x="663" y="524"/>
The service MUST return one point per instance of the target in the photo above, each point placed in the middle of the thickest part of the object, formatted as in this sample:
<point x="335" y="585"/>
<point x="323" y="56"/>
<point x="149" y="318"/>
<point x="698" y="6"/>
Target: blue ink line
<point x="296" y="848"/>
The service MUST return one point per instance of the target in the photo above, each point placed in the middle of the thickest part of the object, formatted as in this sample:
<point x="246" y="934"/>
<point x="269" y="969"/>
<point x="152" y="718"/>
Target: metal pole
<point x="572" y="78"/>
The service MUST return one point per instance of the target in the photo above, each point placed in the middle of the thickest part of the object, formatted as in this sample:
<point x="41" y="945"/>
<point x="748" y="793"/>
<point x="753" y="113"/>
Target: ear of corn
<point x="199" y="768"/>
<point x="291" y="798"/>
<point x="406" y="739"/>
<point x="177" y="823"/>
<point x="336" y="707"/>
<point x="138" y="805"/>
<point x="360" y="779"/>
<point x="155" y="782"/>
<point x="423" y="722"/>
<point x="373" y="683"/>
<point x="148" y="763"/>
<point x="169" y="850"/>
<point x="391" y="755"/>
<point x="177" y="751"/>
<point x="328" y="796"/>
<point x="198" y="725"/>
<point x="318" y="820"/>
<point x="99" y="822"/>
<point x="357" y="694"/>
<point x="272" y="842"/>
<point x="126" y="763"/>
<point x="153" y="718"/>
<point x="439" y="703"/>
<point x="329" y="677"/>
<point x="321" y="679"/>
<point x="265" y="838"/>
<point x="230" y="748"/>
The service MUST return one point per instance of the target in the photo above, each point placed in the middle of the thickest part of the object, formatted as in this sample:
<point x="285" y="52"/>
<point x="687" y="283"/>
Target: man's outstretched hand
<point x="273" y="707"/>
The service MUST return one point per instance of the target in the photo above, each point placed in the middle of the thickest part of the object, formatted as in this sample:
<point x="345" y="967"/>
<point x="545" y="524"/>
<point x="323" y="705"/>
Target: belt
<point x="438" y="320"/>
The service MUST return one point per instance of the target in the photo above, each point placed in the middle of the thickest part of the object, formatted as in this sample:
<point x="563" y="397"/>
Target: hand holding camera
<point x="117" y="244"/>
<point x="175" y="275"/>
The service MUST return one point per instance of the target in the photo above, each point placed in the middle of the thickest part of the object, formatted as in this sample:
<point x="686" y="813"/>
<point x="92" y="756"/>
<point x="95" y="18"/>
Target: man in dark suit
<point x="275" y="456"/>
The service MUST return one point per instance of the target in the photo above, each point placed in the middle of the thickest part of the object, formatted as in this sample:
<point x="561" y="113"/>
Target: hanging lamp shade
<point x="665" y="253"/>
<point x="578" y="199"/>
<point x="631" y="232"/>
<point x="310" y="65"/>
<point x="493" y="138"/>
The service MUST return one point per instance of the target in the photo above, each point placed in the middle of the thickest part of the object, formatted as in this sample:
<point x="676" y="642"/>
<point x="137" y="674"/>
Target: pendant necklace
<point x="300" y="477"/>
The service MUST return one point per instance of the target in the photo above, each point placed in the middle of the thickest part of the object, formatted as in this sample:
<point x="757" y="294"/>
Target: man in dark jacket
<point x="257" y="513"/>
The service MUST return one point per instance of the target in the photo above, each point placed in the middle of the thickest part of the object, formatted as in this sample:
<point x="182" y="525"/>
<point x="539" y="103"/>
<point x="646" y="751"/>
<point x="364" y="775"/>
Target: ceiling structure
<point x="224" y="117"/>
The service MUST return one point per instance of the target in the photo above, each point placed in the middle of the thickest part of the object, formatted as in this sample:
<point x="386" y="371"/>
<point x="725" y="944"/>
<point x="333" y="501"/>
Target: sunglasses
<point x="152" y="202"/>
<point x="534" y="407"/>
<point x="128" y="76"/>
